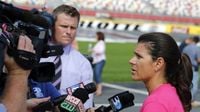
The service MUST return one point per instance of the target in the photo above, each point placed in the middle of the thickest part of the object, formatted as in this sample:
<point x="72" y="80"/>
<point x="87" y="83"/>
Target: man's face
<point x="65" y="29"/>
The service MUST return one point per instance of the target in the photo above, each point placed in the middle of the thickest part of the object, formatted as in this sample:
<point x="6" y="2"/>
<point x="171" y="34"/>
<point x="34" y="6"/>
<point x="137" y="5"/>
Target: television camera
<point x="37" y="26"/>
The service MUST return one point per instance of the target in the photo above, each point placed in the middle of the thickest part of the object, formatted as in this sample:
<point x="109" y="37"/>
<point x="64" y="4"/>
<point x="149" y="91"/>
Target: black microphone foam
<point x="121" y="101"/>
<point x="118" y="102"/>
<point x="49" y="105"/>
<point x="43" y="72"/>
<point x="59" y="100"/>
<point x="81" y="94"/>
<point x="90" y="87"/>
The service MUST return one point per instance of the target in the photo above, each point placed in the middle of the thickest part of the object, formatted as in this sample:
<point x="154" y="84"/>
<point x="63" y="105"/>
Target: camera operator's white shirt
<point x="75" y="69"/>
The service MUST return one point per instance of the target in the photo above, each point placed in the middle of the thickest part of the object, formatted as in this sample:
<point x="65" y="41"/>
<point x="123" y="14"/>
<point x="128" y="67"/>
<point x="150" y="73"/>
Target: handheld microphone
<point x="118" y="102"/>
<point x="43" y="72"/>
<point x="74" y="102"/>
<point x="90" y="87"/>
<point x="80" y="93"/>
<point x="24" y="15"/>
<point x="121" y="101"/>
<point x="49" y="105"/>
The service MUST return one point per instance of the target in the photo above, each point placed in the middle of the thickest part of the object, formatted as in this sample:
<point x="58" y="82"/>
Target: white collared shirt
<point x="75" y="69"/>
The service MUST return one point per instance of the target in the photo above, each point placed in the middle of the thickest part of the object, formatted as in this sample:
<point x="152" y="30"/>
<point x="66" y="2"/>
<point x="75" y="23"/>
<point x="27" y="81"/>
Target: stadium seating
<point x="180" y="8"/>
<point x="181" y="11"/>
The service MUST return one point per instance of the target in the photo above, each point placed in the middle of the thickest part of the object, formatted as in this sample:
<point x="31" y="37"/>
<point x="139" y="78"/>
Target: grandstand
<point x="163" y="10"/>
<point x="179" y="16"/>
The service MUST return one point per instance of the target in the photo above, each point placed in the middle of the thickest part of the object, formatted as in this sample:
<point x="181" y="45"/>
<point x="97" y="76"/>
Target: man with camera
<point x="14" y="97"/>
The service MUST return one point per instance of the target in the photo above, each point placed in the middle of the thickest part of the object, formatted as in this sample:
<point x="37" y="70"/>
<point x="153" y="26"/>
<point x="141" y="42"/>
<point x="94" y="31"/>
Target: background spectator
<point x="99" y="60"/>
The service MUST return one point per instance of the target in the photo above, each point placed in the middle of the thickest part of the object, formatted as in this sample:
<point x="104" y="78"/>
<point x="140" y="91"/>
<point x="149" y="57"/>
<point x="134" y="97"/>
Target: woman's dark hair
<point x="178" y="66"/>
<point x="100" y="36"/>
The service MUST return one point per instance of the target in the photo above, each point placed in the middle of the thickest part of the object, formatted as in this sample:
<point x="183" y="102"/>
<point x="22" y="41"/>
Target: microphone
<point x="90" y="87"/>
<point x="118" y="102"/>
<point x="43" y="72"/>
<point x="67" y="102"/>
<point x="80" y="93"/>
<point x="49" y="105"/>
<point x="74" y="102"/>
<point x="24" y="15"/>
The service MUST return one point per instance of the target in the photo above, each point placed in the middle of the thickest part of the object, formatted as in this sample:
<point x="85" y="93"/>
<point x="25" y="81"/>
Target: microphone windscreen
<point x="90" y="87"/>
<point x="121" y="101"/>
<point x="43" y="72"/>
<point x="126" y="99"/>
<point x="81" y="94"/>
<point x="58" y="100"/>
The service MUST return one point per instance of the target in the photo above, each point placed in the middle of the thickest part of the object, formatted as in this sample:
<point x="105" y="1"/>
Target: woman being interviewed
<point x="166" y="73"/>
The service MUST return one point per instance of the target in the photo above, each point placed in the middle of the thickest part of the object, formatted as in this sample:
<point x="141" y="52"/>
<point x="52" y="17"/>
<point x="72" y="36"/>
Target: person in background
<point x="193" y="51"/>
<point x="75" y="68"/>
<point x="185" y="43"/>
<point x="98" y="52"/>
<point x="166" y="73"/>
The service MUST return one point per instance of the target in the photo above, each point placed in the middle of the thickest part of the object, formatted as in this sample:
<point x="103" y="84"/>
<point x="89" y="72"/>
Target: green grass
<point x="117" y="68"/>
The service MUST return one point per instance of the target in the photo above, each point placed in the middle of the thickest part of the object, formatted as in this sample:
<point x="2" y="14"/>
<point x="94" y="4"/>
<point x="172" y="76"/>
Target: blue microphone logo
<point x="116" y="103"/>
<point x="38" y="92"/>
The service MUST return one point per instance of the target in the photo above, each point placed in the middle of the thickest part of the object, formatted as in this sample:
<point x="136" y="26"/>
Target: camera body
<point x="37" y="26"/>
